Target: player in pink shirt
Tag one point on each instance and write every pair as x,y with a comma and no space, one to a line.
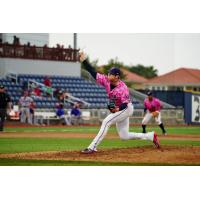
152,108
119,105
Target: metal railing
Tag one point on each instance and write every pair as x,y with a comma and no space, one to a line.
38,53
50,91
12,76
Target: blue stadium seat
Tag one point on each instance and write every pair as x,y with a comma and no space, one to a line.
77,86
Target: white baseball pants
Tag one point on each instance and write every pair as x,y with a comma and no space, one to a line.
121,119
25,114
148,116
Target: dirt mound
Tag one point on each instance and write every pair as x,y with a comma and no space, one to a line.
143,155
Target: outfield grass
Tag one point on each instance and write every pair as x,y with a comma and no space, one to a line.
194,130
17,145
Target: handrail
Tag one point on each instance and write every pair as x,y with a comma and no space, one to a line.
68,98
43,87
13,76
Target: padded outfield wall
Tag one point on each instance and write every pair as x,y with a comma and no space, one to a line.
40,67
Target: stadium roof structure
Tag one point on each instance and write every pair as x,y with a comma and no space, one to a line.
133,77
181,76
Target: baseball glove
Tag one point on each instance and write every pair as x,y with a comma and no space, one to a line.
111,105
155,114
153,109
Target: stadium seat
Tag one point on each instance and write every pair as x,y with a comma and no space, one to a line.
77,86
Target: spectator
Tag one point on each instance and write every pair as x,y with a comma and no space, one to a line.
36,93
62,96
28,44
76,114
61,114
47,86
56,93
24,85
16,40
25,103
47,81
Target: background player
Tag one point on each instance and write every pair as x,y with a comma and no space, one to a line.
25,103
152,108
120,107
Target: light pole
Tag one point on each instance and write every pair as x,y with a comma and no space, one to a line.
75,40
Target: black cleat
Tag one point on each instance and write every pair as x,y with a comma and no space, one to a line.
88,151
164,133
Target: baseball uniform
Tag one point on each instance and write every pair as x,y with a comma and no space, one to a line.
120,95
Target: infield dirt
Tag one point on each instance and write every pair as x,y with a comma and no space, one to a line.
169,155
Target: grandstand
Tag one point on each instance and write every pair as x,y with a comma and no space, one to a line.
78,87
93,94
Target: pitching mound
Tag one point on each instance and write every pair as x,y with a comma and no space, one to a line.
168,155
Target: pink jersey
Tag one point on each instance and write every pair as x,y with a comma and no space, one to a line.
120,94
153,105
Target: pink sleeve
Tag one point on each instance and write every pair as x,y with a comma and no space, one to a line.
125,97
146,105
101,79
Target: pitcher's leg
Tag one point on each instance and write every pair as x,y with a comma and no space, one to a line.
102,132
123,131
107,122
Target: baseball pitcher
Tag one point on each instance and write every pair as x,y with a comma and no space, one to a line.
120,108
152,108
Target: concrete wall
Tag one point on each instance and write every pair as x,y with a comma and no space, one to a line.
42,67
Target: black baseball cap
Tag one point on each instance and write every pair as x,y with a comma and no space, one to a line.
1,87
149,93
115,71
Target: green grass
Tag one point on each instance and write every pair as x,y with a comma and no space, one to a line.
28,144
17,145
84,129
18,162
